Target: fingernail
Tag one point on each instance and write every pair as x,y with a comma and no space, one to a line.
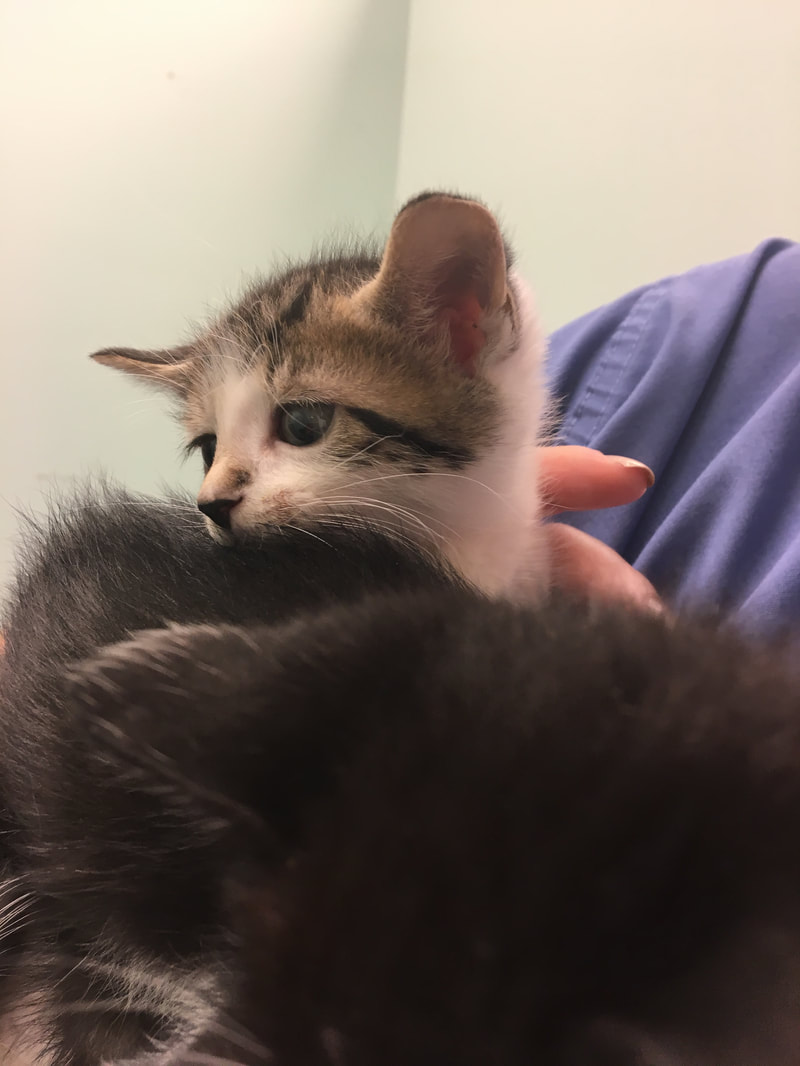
634,464
654,606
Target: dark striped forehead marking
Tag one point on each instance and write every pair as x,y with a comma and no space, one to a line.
426,446
259,319
296,310
290,314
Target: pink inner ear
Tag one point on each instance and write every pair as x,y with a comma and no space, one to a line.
466,337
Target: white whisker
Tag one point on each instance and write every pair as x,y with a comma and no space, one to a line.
342,520
201,1058
393,508
432,473
300,529
240,1038
367,447
389,508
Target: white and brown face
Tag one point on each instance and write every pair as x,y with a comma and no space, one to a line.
354,388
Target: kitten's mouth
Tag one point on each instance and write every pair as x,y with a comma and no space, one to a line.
225,537
228,526
244,537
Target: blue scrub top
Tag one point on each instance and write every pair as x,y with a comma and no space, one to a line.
699,377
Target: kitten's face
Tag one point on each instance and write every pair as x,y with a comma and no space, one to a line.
326,421
403,390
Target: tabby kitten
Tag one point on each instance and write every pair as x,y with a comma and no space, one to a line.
405,389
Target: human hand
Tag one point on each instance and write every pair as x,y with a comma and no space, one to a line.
582,479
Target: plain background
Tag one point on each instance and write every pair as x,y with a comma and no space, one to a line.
155,155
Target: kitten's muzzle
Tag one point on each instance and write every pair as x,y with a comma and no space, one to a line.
219,511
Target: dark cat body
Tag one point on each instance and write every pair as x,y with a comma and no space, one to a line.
420,828
104,565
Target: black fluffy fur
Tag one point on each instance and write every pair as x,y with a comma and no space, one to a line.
402,828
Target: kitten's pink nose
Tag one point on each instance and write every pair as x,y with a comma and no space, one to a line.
219,511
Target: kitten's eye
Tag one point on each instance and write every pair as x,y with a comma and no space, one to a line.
301,424
207,443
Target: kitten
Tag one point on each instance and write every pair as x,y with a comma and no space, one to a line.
104,565
406,389
423,827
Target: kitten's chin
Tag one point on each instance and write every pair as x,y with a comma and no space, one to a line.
247,536
224,537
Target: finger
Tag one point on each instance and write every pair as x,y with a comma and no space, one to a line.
582,479
585,565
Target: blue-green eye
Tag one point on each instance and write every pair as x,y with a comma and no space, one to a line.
207,443
301,424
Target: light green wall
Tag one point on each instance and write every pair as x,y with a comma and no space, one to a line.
621,140
153,154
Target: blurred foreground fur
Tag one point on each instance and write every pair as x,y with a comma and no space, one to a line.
345,811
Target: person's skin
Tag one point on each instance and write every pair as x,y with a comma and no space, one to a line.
581,479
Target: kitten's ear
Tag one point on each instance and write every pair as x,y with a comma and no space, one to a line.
210,716
444,275
167,368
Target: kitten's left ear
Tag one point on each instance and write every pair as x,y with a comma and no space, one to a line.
444,275
167,368
215,719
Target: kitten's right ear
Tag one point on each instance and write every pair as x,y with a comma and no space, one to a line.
167,368
443,276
